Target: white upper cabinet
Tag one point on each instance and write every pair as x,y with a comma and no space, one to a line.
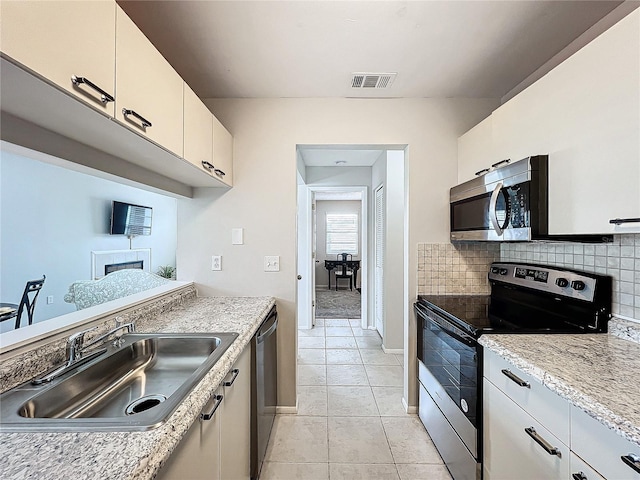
222,152
64,40
198,131
475,151
148,90
585,114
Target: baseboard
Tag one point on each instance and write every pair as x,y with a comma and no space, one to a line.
395,351
287,410
410,410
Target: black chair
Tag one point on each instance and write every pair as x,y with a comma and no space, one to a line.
344,272
29,297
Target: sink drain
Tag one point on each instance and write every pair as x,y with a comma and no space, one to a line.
144,403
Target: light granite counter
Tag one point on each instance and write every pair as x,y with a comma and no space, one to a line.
138,455
596,373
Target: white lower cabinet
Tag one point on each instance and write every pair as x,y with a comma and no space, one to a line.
581,470
217,446
516,445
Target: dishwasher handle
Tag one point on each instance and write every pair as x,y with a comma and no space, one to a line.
261,337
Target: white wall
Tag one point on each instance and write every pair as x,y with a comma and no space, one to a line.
334,206
51,220
263,199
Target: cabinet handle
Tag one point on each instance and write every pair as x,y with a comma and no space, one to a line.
512,376
219,172
632,461
482,172
104,96
145,123
235,372
507,160
209,415
579,476
620,221
551,450
207,165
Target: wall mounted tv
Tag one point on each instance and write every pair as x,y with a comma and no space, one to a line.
129,219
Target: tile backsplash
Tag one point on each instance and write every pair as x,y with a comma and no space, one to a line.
620,259
461,268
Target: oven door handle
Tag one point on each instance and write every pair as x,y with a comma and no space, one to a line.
493,209
446,327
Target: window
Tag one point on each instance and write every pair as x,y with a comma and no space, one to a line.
342,233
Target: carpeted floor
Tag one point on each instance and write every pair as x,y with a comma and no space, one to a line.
340,304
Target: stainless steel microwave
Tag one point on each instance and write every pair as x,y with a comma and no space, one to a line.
506,204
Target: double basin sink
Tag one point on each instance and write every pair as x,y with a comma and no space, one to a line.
132,387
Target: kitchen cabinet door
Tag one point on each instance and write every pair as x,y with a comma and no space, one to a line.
197,456
509,451
198,131
585,114
149,93
222,152
235,416
59,40
475,151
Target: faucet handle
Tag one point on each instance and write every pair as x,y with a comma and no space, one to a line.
120,323
75,343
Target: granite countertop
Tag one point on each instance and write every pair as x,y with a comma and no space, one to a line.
138,455
596,373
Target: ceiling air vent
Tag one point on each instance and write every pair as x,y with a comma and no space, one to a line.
372,80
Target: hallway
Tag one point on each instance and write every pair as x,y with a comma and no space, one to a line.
350,423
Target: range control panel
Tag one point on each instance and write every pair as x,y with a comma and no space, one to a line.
549,279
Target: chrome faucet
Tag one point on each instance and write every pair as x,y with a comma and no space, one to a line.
76,351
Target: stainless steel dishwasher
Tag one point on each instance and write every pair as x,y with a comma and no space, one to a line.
264,388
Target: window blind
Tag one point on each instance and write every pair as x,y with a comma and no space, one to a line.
342,233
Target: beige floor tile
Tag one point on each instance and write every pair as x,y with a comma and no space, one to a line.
294,471
297,439
384,376
311,356
336,322
423,472
311,332
375,356
312,375
346,375
355,471
341,342
389,401
319,322
359,332
312,400
400,359
409,440
338,331
357,440
343,356
355,322
311,342
350,401
369,342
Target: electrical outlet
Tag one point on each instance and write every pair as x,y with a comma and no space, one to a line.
49,299
272,263
216,262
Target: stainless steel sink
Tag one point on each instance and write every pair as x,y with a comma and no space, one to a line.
136,386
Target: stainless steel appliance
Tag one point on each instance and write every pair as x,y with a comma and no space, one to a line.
264,389
524,299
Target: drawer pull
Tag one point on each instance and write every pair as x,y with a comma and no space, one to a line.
235,372
632,461
551,450
207,165
512,376
482,172
209,415
104,96
620,221
501,162
579,476
219,172
145,123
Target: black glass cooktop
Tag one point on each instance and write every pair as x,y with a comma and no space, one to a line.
470,310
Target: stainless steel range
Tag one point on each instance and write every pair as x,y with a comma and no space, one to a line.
524,298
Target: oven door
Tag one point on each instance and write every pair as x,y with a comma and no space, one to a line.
449,370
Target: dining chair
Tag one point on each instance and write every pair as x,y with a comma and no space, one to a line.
28,301
344,272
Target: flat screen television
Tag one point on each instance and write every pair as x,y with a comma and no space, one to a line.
129,219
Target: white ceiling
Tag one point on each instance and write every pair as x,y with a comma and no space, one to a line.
328,157
330,195
311,48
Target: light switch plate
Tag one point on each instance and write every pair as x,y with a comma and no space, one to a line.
237,236
272,263
216,262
